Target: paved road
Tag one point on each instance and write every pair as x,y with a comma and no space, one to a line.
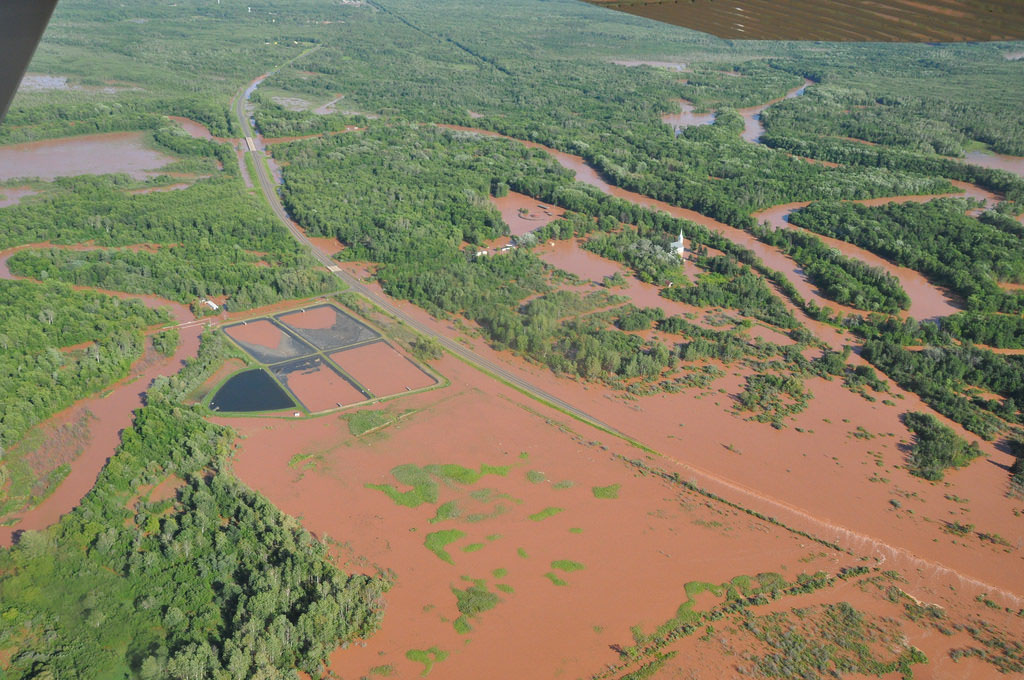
269,188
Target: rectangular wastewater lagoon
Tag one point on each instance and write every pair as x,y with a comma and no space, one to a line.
319,358
326,327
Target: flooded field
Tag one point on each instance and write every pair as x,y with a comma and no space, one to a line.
527,503
381,369
533,527
524,214
317,384
267,342
86,155
778,472
686,117
251,391
107,414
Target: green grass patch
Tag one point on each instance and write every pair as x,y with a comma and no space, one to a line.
500,572
610,491
385,671
504,587
567,565
522,553
437,541
535,476
549,511
449,510
424,481
472,547
555,578
575,530
427,657
564,484
361,422
493,537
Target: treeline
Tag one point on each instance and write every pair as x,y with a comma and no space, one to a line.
216,240
213,582
942,375
854,154
843,279
936,447
64,116
181,273
181,142
928,126
37,321
747,83
935,238
274,120
733,285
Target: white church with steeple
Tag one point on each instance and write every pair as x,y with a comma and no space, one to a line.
679,247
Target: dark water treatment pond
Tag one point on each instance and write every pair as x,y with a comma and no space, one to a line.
251,391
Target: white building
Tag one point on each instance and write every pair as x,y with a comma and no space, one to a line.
679,247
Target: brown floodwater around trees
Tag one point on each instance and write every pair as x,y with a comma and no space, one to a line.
930,298
524,214
13,195
996,161
514,528
85,155
111,412
780,472
752,127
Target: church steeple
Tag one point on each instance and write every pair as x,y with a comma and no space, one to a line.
679,247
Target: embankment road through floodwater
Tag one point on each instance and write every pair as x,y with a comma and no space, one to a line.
269,189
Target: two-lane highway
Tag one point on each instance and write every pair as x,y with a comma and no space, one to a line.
269,188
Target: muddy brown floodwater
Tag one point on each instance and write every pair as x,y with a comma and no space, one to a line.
780,472
319,387
629,556
571,257
524,214
538,628
686,117
752,128
85,155
113,411
927,300
380,368
13,195
932,298
995,161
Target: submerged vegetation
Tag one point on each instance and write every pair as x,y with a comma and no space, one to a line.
213,580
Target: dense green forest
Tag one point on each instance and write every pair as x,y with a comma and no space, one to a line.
212,582
214,240
37,321
936,238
